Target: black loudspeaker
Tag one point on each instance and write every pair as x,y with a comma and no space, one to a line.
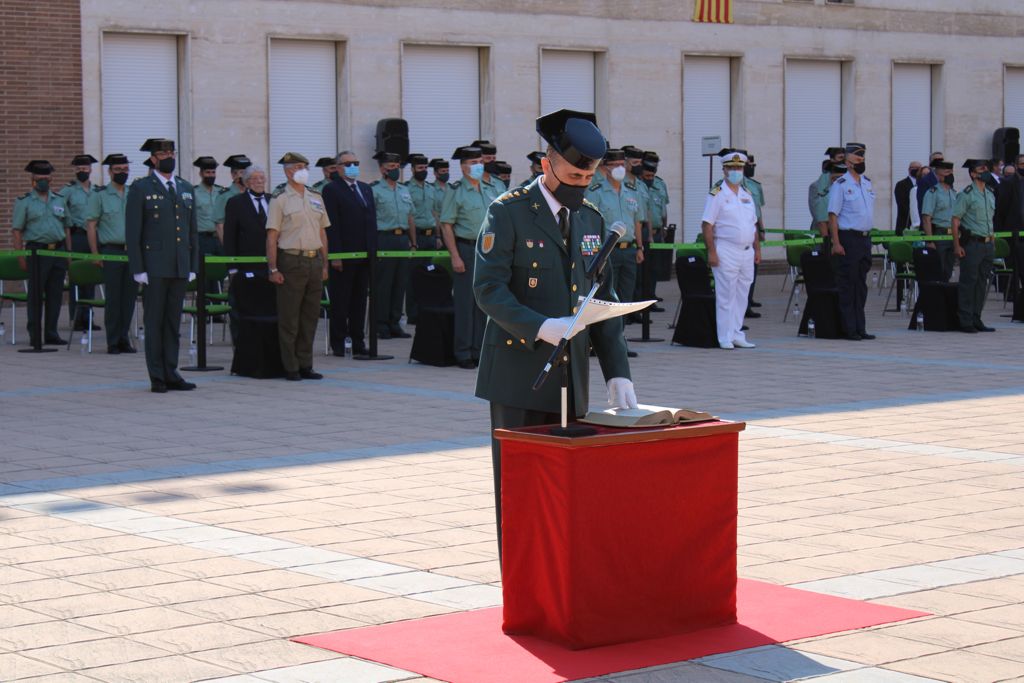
393,136
1006,144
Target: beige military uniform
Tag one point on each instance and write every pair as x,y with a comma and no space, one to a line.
298,219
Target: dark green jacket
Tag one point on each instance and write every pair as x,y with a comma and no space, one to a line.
160,234
525,274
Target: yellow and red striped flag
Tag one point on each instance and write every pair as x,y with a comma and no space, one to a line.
713,11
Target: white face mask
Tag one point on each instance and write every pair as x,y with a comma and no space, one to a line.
619,172
301,176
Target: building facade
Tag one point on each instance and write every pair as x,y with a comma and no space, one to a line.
786,80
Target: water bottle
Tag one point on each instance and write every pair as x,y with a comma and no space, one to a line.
3,333
810,328
874,278
920,322
903,309
83,345
348,346
796,312
141,336
192,352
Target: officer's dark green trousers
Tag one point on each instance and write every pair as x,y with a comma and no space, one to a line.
975,271
390,282
119,291
162,300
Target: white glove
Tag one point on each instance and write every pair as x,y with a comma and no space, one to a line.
191,277
621,393
553,329
141,278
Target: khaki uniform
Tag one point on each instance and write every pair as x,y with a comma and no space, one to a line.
975,209
938,203
300,220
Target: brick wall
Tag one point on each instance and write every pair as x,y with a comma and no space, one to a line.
41,106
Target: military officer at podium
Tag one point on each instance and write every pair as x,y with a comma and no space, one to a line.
531,257
161,238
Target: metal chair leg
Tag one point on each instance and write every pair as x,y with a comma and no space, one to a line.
888,296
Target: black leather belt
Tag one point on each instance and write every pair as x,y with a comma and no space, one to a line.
858,233
981,240
41,245
425,231
463,240
113,246
626,245
396,231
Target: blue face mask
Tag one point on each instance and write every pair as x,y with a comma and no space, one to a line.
351,171
476,171
734,177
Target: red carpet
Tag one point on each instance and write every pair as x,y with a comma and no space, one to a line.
469,647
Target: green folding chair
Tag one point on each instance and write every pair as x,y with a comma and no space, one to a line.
82,274
11,271
901,254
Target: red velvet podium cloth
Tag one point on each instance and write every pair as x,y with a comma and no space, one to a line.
622,536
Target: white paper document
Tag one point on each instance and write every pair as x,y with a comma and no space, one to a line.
599,309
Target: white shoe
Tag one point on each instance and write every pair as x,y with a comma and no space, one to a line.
744,344
727,345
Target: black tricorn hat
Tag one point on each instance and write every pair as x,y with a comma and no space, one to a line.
84,160
575,136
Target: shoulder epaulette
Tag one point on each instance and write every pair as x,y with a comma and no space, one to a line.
513,195
594,187
969,188
454,184
70,183
590,205
866,178
841,179
25,196
99,188
375,183
630,186
715,190
224,189
219,188
278,191
933,188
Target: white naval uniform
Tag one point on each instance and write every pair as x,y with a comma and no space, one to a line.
734,223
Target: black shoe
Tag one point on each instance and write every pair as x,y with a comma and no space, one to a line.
383,334
968,330
55,341
865,335
96,328
755,304
466,364
631,354
181,385
656,309
982,327
744,328
852,337
293,376
157,387
751,314
79,326
360,351
114,350
126,347
659,299
307,373
399,333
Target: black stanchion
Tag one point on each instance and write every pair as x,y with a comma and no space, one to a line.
645,315
201,365
35,301
371,257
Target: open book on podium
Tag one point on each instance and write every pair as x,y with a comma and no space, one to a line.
646,416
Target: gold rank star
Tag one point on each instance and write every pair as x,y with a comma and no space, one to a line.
535,206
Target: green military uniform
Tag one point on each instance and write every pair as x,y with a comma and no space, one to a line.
107,208
938,203
526,273
319,186
221,201
529,180
394,213
424,200
161,240
464,207
817,199
42,222
628,206
208,208
76,197
975,208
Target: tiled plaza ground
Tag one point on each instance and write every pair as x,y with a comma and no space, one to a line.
186,537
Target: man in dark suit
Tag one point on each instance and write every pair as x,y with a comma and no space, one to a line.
353,218
163,254
245,230
903,192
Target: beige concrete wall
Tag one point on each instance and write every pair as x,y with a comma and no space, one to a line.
227,52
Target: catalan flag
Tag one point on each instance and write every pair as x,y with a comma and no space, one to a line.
713,11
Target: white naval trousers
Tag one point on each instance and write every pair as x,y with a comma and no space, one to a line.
733,277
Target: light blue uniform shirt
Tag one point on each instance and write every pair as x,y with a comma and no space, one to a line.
852,203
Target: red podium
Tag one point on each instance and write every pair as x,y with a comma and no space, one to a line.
626,535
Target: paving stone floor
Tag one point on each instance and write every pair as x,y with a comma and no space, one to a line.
186,537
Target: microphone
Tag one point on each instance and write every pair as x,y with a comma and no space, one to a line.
615,233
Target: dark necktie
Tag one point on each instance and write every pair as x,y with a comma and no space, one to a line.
170,191
563,223
355,188
260,212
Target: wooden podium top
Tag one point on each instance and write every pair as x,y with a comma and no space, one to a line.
619,435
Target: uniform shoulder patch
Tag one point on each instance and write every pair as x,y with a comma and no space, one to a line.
25,196
715,190
590,205
594,187
455,184
630,185
841,179
99,188
933,188
867,179
223,190
969,188
375,183
486,242
278,191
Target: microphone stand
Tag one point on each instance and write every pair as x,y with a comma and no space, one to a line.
560,358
